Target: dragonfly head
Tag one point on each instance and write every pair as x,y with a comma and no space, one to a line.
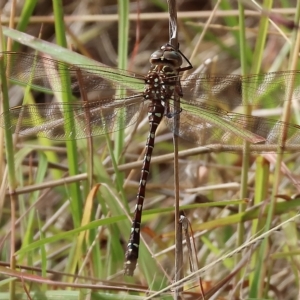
167,55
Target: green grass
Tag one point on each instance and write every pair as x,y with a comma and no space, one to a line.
70,236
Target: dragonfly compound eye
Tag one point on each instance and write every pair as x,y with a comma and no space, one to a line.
166,57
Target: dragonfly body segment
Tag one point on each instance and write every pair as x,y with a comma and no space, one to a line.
161,82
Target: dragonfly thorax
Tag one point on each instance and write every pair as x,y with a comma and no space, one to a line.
158,86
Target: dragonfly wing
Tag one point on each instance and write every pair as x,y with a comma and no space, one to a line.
43,73
90,119
207,124
230,91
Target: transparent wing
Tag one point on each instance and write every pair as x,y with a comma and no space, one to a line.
42,73
231,91
207,125
207,101
90,119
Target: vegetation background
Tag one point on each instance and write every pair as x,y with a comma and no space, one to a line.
69,232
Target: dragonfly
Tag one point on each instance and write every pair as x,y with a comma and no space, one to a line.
201,108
